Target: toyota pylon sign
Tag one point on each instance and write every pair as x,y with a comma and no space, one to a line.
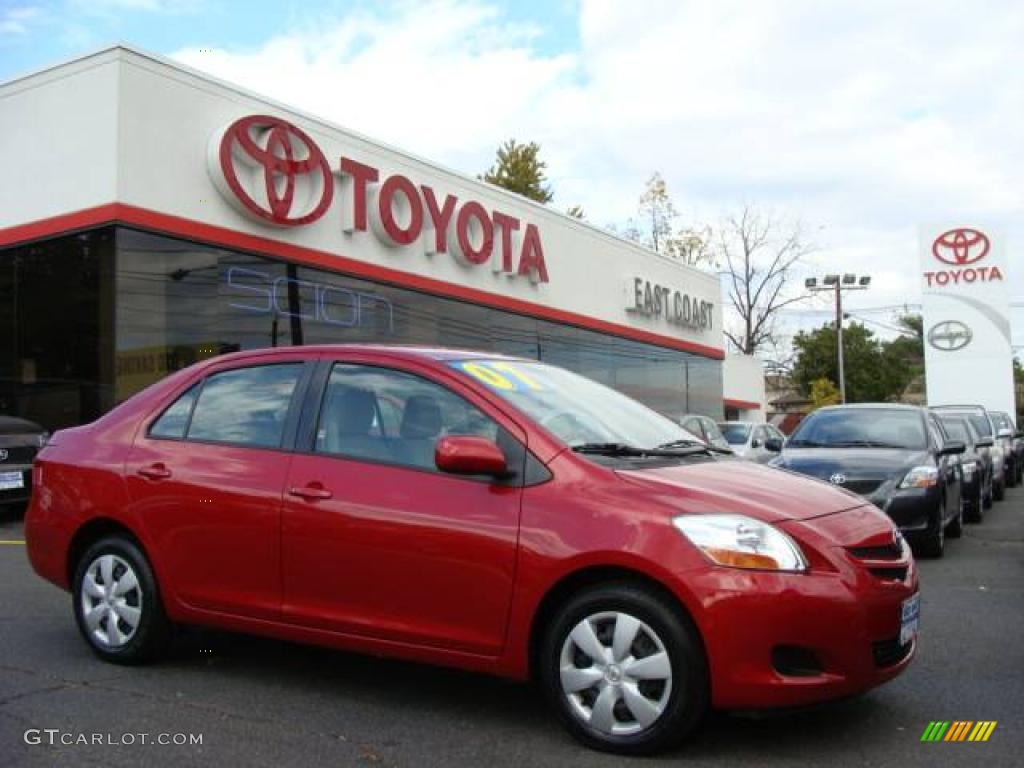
967,350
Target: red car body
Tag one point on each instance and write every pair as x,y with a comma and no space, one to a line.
430,567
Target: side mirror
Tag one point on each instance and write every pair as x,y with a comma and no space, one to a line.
952,448
755,443
773,444
469,455
984,442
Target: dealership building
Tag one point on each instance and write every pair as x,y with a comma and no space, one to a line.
154,216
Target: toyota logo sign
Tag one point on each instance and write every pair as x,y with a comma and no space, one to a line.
272,170
4,454
961,246
837,479
950,335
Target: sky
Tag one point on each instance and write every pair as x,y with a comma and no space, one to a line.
859,119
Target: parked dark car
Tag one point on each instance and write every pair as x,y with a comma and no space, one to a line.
896,456
983,423
1007,435
20,439
975,463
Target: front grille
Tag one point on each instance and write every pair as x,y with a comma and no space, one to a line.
863,487
893,551
888,653
18,454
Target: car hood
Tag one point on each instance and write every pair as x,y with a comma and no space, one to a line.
862,463
12,425
742,487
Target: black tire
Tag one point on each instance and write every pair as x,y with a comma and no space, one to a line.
149,637
687,697
987,501
955,528
999,490
975,513
933,544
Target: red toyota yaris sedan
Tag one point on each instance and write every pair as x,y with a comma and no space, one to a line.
474,510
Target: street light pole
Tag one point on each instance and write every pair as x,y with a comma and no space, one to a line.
838,284
839,342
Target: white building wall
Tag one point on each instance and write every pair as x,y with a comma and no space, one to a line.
58,140
743,382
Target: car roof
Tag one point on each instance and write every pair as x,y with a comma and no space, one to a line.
871,406
424,352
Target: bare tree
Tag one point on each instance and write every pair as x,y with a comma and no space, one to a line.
655,227
759,253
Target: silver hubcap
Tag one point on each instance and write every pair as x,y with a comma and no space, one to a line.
615,673
111,601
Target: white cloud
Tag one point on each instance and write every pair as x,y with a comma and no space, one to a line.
15,21
860,117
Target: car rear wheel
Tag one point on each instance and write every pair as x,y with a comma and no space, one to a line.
999,490
116,603
624,670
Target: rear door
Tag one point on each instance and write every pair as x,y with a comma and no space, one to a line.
206,478
376,541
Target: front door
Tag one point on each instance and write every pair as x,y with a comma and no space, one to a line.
376,541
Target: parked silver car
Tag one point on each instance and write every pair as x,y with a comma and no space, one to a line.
757,441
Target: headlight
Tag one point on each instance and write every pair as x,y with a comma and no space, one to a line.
738,541
969,467
41,438
921,477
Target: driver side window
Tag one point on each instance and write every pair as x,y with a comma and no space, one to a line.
384,415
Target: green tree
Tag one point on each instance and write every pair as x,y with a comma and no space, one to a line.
906,351
519,169
872,374
824,392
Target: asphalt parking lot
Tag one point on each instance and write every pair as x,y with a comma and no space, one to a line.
264,703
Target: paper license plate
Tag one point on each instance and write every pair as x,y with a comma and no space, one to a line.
11,480
909,618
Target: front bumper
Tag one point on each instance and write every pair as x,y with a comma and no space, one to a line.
846,619
912,509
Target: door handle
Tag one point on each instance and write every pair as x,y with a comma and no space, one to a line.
310,492
155,472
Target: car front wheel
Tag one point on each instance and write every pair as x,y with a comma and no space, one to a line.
624,670
116,602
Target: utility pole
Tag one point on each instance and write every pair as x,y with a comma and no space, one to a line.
837,284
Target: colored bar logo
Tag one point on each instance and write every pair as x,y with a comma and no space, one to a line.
958,730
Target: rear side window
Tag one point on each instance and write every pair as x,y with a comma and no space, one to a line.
246,406
173,421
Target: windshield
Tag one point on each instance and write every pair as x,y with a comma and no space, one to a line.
735,434
576,409
867,427
956,429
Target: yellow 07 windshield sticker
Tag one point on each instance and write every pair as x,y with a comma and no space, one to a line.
501,375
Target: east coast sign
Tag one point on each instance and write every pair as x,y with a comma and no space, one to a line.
272,171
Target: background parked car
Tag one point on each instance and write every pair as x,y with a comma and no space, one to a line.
1006,435
975,463
896,456
753,440
20,439
706,429
983,423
